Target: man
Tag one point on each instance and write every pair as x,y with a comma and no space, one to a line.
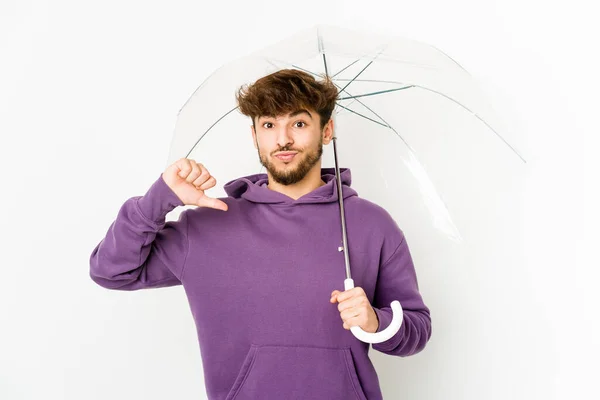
258,265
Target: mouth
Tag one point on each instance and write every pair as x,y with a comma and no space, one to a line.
286,156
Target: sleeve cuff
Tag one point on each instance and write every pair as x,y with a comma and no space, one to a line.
385,318
158,201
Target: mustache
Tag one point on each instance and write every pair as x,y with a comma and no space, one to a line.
286,149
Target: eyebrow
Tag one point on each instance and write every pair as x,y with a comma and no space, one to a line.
300,111
292,114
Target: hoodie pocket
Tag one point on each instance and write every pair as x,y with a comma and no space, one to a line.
297,372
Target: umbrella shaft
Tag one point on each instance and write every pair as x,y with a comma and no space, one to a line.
341,203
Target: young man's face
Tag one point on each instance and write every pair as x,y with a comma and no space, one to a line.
297,134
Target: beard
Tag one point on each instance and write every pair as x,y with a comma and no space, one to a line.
290,175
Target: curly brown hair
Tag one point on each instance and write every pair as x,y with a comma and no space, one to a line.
285,91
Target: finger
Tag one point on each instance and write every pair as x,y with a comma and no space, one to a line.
205,185
206,201
352,314
202,177
348,294
354,302
184,166
351,322
334,295
196,172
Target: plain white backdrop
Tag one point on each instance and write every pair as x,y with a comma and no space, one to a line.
89,94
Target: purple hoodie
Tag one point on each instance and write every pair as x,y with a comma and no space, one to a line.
259,277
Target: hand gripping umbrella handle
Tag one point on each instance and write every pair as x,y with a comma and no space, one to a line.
377,337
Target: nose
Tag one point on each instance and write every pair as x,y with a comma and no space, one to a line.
284,137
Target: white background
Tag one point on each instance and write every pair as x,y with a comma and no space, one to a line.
89,93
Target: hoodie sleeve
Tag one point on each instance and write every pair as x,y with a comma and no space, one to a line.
397,280
141,250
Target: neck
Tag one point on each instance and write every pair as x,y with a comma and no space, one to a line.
310,182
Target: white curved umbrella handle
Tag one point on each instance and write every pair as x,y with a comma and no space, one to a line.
377,337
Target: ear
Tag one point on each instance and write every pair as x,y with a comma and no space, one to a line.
328,132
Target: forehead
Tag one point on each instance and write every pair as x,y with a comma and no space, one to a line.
301,111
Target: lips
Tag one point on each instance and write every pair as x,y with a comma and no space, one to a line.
286,155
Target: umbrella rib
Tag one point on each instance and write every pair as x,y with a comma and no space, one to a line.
375,93
302,69
345,68
310,72
449,98
370,80
333,76
364,116
362,70
364,105
272,63
340,79
384,121
205,132
476,116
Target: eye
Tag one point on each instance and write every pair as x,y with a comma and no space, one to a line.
266,124
301,122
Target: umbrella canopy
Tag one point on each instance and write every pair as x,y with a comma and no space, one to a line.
411,121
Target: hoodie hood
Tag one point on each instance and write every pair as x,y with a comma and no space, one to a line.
254,188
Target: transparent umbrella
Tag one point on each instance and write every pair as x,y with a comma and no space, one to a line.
410,121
